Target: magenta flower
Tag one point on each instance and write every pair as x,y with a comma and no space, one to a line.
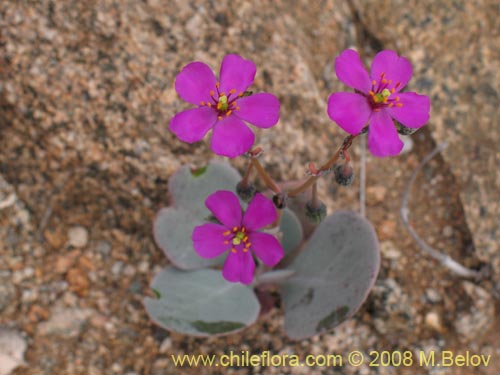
377,100
238,234
222,106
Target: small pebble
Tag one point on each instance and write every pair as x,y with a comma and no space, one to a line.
129,270
433,320
389,251
447,231
166,345
433,295
20,275
143,267
117,268
387,229
78,281
376,194
65,322
116,367
78,236
104,247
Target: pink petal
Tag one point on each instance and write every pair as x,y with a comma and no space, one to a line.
350,71
194,82
236,73
226,207
260,213
239,267
383,137
396,68
191,125
349,110
262,110
208,240
415,110
266,247
231,137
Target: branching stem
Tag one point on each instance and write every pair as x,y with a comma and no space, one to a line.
328,165
268,180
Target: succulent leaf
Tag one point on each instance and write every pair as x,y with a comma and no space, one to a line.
200,303
189,188
334,273
172,232
291,229
174,225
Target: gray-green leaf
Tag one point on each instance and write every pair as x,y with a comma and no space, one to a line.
200,303
334,273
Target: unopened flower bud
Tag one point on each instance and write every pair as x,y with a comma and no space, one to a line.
279,201
315,213
344,174
404,130
245,191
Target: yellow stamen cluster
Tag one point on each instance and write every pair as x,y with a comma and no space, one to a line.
239,236
224,104
382,97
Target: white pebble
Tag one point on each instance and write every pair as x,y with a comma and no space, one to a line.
78,236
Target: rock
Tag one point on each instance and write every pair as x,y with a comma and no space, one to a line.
66,322
393,313
78,236
12,348
477,319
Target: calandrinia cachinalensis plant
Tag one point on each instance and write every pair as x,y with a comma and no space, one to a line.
228,243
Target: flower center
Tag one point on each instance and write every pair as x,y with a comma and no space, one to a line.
238,237
223,103
380,94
